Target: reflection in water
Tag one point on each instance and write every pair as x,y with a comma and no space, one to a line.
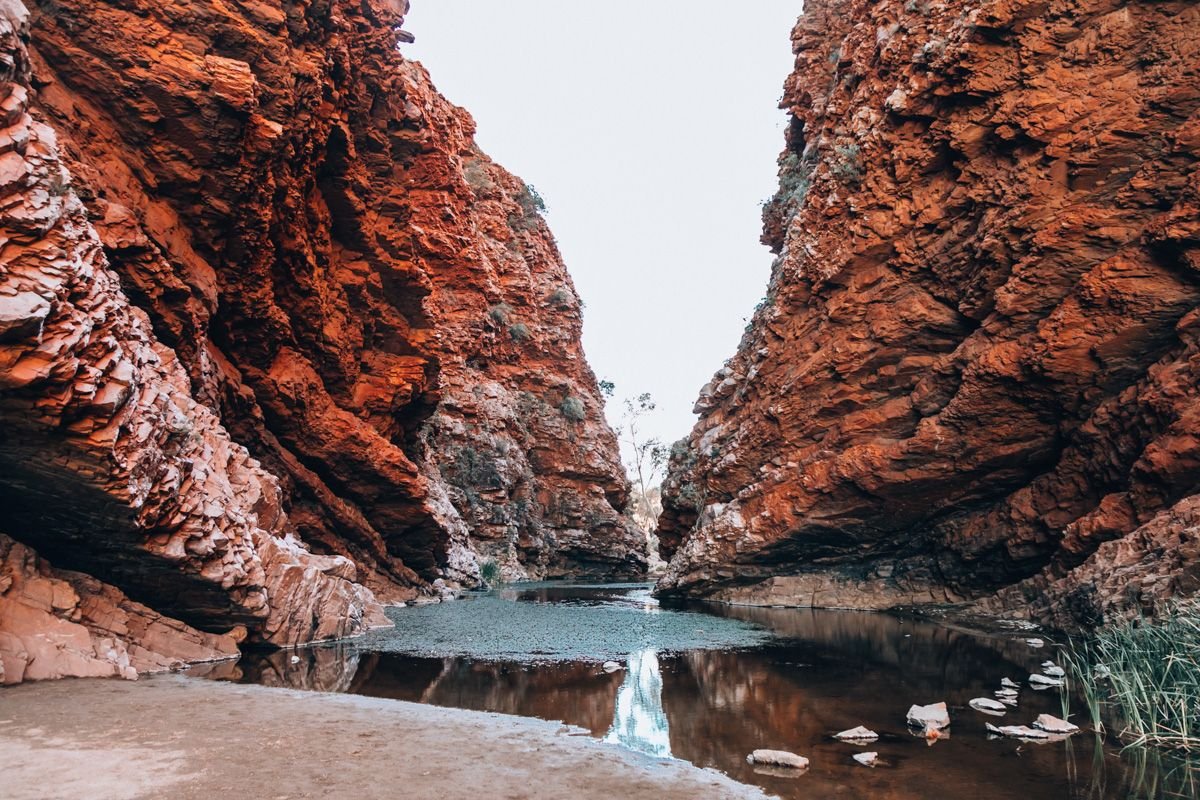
639,722
824,672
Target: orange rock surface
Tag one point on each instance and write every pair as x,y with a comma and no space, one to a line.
277,342
977,362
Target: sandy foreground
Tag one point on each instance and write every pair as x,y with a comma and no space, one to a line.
175,737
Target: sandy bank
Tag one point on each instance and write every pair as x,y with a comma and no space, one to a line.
177,737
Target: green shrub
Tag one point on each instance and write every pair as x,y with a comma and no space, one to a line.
499,313
847,167
519,331
573,409
559,297
489,571
530,201
532,207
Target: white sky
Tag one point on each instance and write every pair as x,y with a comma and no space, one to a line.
651,129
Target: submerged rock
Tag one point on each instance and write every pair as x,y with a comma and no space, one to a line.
868,759
1009,683
1018,732
778,758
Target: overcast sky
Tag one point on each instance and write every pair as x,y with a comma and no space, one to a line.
651,129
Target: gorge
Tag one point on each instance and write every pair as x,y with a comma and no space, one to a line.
294,405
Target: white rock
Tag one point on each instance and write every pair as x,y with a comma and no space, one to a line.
988,706
932,717
1035,642
1017,732
611,666
1005,693
1052,724
859,734
1009,683
778,758
295,659
867,759
1045,681
1053,670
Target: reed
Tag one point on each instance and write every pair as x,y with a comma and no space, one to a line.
1141,680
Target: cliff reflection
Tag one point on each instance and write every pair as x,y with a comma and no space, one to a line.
639,722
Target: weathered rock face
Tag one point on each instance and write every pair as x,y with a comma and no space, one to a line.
236,242
978,359
519,438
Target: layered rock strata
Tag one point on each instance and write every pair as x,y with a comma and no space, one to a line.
977,362
237,244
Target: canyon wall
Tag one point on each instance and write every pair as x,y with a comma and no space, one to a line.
974,374
277,342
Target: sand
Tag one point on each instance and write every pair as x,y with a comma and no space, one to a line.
175,737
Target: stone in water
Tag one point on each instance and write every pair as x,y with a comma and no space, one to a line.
988,706
867,759
1045,681
859,734
778,758
932,717
1052,724
1017,732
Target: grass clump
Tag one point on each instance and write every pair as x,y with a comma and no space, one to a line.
520,332
1143,678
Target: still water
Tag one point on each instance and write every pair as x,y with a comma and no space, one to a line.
708,684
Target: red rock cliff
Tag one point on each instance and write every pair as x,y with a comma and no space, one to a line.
251,290
976,366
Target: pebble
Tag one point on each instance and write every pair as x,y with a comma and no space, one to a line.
868,759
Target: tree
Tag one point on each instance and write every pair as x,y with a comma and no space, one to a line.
646,457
